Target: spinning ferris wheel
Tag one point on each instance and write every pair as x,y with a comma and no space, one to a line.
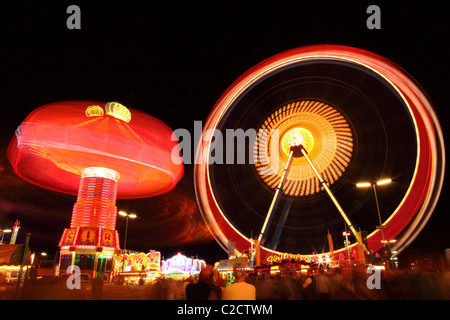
325,117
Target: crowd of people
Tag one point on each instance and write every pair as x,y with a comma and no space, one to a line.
335,284
349,284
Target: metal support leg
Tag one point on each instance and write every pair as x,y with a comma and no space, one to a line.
273,206
281,223
324,185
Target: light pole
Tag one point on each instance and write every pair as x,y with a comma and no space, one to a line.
126,215
374,186
346,234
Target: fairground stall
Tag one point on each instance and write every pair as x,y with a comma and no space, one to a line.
10,259
93,250
225,268
282,268
139,267
180,267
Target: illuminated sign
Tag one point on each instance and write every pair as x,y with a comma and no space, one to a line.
182,264
90,238
69,236
107,239
227,265
288,256
140,261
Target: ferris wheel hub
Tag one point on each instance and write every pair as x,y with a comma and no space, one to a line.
295,137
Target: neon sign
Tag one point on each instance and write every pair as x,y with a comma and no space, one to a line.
276,258
135,261
90,238
182,264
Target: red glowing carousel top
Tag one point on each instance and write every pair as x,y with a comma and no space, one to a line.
58,140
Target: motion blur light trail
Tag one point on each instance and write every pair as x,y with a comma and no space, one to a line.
326,136
169,220
59,140
389,129
77,147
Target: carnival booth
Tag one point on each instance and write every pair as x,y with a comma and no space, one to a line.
93,250
10,259
225,268
180,267
139,267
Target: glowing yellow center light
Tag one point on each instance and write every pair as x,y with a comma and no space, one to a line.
324,133
295,137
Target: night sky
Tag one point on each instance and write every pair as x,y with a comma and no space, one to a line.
173,61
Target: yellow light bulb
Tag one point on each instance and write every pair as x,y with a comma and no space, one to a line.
297,136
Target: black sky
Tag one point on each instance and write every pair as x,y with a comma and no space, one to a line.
174,60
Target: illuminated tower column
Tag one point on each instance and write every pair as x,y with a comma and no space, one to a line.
92,233
96,202
15,232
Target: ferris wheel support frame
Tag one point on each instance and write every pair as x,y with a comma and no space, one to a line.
276,198
336,203
295,152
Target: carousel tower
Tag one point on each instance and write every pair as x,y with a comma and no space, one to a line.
95,206
99,153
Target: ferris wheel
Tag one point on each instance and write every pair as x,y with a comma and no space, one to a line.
317,121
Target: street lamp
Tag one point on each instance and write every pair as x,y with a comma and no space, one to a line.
374,186
126,215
